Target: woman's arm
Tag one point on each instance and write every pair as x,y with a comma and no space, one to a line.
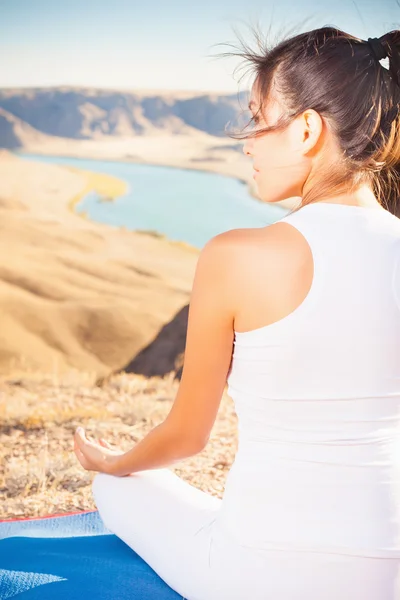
208,353
157,449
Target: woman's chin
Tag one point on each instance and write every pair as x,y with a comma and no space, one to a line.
270,197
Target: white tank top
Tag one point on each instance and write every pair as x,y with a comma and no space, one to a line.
317,395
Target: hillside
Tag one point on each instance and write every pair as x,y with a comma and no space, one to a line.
94,114
77,295
15,132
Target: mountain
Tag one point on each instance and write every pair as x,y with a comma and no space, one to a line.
91,114
16,133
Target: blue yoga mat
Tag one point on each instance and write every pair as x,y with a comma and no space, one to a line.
73,557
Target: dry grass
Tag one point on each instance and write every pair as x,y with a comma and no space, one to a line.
39,473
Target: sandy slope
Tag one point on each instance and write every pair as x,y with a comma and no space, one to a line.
76,294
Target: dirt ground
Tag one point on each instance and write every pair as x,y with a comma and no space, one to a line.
39,473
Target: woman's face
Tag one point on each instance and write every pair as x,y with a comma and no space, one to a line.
280,167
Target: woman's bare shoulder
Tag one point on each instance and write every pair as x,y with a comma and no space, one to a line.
267,271
264,272
280,238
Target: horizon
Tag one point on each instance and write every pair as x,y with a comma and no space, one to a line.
45,45
87,88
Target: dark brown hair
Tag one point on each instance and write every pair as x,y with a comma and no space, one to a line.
337,75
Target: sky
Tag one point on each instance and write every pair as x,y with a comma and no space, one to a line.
158,44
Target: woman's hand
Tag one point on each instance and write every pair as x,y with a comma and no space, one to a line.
94,456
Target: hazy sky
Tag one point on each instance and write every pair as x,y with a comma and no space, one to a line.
158,44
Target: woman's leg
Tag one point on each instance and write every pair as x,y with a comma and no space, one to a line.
169,523
166,521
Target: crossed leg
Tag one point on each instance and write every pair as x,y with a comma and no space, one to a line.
166,521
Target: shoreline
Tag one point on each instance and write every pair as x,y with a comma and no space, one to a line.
102,184
286,204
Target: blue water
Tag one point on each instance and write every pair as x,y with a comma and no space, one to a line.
186,205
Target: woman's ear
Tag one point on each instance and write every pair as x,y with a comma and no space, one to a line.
311,126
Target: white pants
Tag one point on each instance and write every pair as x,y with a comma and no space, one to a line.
166,521
173,526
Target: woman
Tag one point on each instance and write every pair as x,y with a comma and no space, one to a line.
302,318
